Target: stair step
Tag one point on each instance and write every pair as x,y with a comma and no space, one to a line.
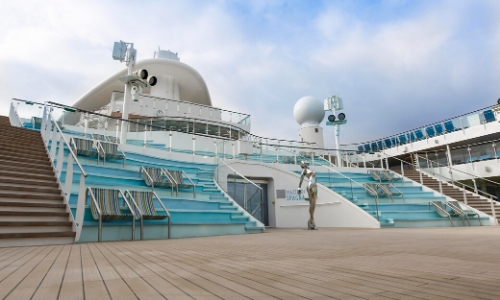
28,189
18,181
34,213
34,228
32,204
42,166
45,175
24,159
38,156
12,195
17,235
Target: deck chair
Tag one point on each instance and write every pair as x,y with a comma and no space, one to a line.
144,208
439,129
111,151
372,189
448,126
489,116
463,210
386,175
375,175
98,137
105,206
85,147
156,177
178,177
440,209
387,191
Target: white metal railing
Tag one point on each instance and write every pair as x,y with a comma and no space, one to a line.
56,143
351,181
15,120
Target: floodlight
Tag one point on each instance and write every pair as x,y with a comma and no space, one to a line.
141,74
498,101
341,117
152,81
331,118
119,50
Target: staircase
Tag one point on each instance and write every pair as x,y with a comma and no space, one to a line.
453,192
32,210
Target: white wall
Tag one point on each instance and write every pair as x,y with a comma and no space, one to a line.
332,210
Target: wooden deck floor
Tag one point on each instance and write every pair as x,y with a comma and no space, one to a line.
447,263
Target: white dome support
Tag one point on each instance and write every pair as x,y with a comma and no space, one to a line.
309,113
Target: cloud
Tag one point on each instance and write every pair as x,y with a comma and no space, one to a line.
397,64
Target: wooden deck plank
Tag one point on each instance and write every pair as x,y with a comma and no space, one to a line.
429,263
27,288
115,285
137,284
28,264
93,283
51,284
72,285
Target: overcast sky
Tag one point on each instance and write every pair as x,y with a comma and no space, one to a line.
397,64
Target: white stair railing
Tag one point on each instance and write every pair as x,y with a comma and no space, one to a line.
54,138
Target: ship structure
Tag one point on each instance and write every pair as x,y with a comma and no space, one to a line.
145,155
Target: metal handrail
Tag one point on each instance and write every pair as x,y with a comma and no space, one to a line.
192,183
442,212
239,174
352,180
460,171
68,145
424,126
98,142
192,103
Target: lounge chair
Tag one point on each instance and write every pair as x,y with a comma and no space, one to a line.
156,177
105,206
144,207
85,147
178,177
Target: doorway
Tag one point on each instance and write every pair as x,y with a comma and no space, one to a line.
250,197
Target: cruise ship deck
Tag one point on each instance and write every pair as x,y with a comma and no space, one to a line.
398,263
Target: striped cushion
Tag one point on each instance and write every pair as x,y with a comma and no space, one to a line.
84,147
158,178
111,150
109,204
177,175
145,201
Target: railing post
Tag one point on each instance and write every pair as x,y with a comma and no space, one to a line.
260,144
69,178
194,144
493,212
464,195
170,141
402,169
364,160
80,209
53,145
440,186
419,170
60,157
145,135
475,185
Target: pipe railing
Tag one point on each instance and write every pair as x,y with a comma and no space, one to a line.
54,138
352,192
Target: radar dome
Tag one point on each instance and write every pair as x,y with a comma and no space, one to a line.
308,111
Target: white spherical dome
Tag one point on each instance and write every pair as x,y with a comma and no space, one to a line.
308,111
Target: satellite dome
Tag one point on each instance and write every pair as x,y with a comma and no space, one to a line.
308,111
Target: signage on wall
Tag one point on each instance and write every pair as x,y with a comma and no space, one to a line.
293,195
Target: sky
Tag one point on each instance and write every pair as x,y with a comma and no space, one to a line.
397,64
